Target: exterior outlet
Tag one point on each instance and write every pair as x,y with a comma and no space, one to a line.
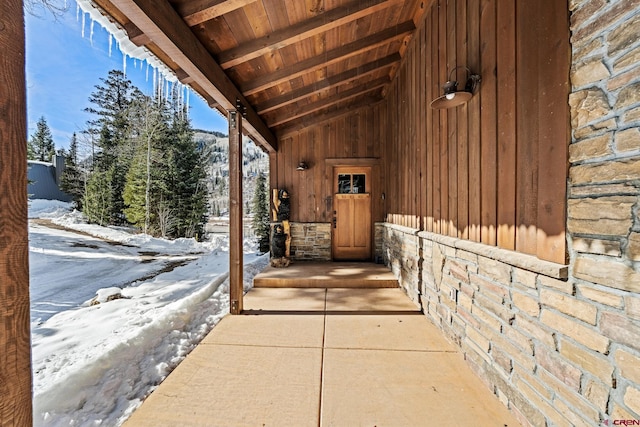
453,295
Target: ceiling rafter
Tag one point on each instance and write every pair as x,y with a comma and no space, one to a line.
313,120
196,12
336,55
301,31
328,83
354,92
167,30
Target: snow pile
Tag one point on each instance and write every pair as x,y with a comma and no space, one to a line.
94,364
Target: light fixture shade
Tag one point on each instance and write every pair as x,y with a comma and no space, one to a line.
447,101
452,96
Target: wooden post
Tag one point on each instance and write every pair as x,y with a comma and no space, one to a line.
15,340
235,212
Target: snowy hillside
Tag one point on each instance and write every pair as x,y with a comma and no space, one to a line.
94,364
255,162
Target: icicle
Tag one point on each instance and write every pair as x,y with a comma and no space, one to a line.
110,43
188,94
83,21
77,12
124,64
91,32
146,77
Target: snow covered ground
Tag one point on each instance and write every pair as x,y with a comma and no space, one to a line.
94,364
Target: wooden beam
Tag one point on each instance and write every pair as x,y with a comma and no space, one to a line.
354,92
320,118
336,55
168,32
136,35
301,31
15,336
196,12
328,83
235,212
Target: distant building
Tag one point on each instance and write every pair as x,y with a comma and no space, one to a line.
44,179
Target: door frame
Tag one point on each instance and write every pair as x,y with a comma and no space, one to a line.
373,162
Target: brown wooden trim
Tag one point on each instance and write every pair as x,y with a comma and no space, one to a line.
301,31
507,107
330,82
170,33
235,213
344,161
15,342
288,116
196,12
325,117
336,55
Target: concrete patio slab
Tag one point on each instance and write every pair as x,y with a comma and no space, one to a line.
369,300
408,332
405,388
323,357
285,299
275,330
221,385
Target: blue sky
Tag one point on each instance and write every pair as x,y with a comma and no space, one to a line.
62,69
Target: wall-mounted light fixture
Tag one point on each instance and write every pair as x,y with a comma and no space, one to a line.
452,96
302,166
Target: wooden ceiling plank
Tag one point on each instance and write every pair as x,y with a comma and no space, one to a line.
170,33
301,31
198,11
339,54
321,118
321,104
328,83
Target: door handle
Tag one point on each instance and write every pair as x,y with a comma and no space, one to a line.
335,222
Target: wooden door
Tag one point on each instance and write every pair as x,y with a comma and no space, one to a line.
352,214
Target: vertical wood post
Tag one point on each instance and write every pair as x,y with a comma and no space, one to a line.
235,212
15,340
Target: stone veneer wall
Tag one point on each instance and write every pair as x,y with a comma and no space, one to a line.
559,345
310,241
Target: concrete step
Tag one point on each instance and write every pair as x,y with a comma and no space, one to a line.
327,275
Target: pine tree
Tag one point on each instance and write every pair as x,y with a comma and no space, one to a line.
114,149
72,181
148,121
261,220
187,176
97,198
41,146
134,193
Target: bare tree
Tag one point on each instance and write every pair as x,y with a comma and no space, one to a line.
39,7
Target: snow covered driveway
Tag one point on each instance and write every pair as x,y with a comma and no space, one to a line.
93,364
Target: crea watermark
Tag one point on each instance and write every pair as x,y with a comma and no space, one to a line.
621,422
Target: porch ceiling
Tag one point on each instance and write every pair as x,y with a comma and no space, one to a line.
286,62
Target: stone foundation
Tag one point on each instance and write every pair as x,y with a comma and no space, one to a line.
311,241
554,349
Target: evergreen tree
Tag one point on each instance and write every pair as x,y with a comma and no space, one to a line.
72,181
113,148
187,176
135,191
261,220
41,146
144,186
97,198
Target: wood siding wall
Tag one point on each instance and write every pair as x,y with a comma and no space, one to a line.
494,170
349,140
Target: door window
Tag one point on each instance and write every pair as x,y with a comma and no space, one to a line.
352,183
